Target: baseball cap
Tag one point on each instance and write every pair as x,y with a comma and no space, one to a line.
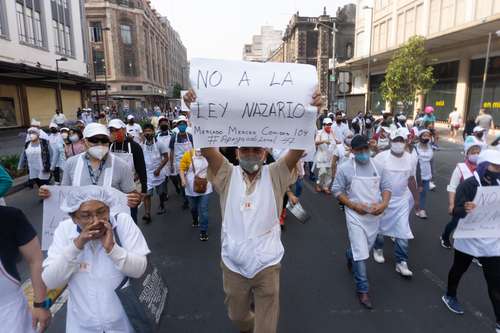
94,129
130,116
327,120
489,155
359,141
116,123
179,119
401,132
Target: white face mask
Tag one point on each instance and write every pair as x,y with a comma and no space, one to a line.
74,138
33,136
98,152
473,158
64,135
398,147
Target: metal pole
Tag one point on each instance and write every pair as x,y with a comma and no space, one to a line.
59,101
334,83
368,91
106,80
485,74
97,89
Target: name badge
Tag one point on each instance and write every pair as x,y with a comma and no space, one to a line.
84,267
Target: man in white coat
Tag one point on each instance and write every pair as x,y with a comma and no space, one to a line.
365,192
400,168
325,150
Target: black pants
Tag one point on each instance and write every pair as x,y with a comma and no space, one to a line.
491,271
450,227
57,174
39,182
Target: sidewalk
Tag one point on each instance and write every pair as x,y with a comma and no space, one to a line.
12,141
444,134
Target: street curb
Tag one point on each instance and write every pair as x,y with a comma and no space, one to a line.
18,185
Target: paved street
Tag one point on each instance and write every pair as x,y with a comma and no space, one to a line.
317,292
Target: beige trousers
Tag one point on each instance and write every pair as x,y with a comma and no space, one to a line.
264,287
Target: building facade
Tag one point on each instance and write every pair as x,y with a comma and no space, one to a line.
37,37
314,40
456,37
262,45
135,52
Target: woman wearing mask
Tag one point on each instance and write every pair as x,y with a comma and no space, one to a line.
37,158
424,168
463,171
76,144
193,173
486,249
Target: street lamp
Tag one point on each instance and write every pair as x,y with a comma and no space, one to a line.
59,96
486,63
106,69
368,90
334,86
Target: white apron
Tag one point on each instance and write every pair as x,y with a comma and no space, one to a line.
128,158
324,154
395,221
152,159
166,140
35,164
425,157
201,166
79,169
179,149
251,234
14,312
363,229
464,169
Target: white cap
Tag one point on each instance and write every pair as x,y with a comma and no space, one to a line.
64,129
386,112
80,121
401,132
179,119
422,131
489,155
130,116
116,123
34,130
35,122
327,120
478,129
94,129
52,125
160,118
81,194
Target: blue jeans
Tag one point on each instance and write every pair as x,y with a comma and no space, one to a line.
359,272
199,210
400,247
299,185
423,194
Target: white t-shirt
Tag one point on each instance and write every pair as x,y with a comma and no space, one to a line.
454,118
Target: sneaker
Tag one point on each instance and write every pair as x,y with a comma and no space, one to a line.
477,262
195,223
378,256
161,211
445,243
203,236
432,186
365,301
402,268
498,328
453,304
422,214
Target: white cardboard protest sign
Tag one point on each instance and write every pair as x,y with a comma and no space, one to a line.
253,104
484,220
53,215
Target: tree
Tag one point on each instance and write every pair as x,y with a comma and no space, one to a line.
176,92
407,73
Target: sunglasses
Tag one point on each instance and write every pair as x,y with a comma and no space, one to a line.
98,140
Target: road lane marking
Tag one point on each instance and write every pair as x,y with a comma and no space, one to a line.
483,319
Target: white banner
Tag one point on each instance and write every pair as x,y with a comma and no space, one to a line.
484,220
253,104
53,215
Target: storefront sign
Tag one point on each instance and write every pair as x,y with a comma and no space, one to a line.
491,105
440,103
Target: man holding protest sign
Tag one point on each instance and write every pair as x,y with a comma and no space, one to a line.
471,196
251,193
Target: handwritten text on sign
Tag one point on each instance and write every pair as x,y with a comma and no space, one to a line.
484,220
53,215
253,104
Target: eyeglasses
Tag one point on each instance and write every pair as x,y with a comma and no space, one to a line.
100,214
328,125
98,140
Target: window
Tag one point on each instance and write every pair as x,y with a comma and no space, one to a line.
95,32
126,34
129,68
3,20
29,26
99,62
348,50
61,24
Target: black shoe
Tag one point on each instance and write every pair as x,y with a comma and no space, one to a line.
203,236
365,301
195,223
445,243
161,211
147,219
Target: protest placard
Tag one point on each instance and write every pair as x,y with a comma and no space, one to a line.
484,220
253,104
184,107
53,215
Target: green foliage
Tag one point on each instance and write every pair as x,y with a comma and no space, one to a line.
407,73
176,93
10,162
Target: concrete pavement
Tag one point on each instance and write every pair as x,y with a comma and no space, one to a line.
317,292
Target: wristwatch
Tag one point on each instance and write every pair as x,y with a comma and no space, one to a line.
46,304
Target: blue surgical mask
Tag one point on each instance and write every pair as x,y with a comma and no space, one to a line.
182,128
157,113
362,158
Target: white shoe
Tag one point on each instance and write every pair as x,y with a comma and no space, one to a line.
477,262
402,268
432,186
378,256
422,214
